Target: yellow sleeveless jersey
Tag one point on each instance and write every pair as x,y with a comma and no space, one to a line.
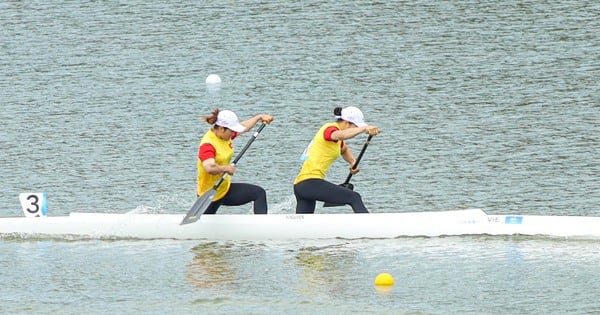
320,154
223,155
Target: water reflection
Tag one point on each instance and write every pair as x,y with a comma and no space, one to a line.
211,267
325,270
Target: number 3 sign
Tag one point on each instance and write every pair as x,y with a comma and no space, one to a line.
34,204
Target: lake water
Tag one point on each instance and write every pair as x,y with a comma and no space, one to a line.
492,105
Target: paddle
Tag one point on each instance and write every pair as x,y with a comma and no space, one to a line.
347,183
204,201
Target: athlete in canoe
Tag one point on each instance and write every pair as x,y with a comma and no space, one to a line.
327,145
214,159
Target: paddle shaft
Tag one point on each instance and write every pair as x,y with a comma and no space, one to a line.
360,155
237,158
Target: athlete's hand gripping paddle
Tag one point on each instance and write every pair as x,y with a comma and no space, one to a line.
204,201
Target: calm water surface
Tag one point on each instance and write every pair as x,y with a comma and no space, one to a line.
481,104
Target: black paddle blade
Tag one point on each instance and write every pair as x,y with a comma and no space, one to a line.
345,185
198,208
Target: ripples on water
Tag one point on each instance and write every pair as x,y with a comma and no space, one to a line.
469,275
482,105
488,104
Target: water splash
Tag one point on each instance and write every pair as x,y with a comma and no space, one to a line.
286,206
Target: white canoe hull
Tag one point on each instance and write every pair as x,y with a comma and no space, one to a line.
292,226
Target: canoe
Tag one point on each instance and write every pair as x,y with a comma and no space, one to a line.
298,226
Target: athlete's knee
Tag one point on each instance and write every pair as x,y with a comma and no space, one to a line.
304,211
360,210
261,193
212,208
260,209
357,204
260,203
304,207
355,197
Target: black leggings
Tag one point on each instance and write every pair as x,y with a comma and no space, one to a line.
309,191
240,194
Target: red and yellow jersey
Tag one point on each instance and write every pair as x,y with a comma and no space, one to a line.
221,150
320,154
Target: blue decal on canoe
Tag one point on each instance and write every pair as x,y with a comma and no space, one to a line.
513,219
44,204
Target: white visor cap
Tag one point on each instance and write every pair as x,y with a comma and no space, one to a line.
353,115
229,119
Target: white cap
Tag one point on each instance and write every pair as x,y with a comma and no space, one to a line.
353,115
229,119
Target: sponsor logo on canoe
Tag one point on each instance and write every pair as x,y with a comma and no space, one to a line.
295,217
508,219
493,219
513,219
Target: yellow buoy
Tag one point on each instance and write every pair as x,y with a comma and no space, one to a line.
384,279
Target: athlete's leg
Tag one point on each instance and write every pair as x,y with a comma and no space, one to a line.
241,193
213,206
309,191
304,205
